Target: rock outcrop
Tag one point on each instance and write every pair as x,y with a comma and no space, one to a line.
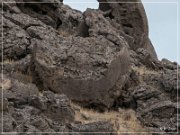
102,60
132,20
76,67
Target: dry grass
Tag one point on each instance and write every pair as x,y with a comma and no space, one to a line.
8,61
27,78
144,71
5,84
16,74
60,72
122,120
63,33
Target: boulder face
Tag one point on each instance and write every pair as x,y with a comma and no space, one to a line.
68,71
85,69
132,20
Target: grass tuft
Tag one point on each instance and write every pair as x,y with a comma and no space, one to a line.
124,120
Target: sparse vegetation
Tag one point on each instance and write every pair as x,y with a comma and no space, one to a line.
143,70
63,33
55,55
27,78
8,61
5,84
124,120
16,72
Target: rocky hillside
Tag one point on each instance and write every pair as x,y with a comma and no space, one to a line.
94,72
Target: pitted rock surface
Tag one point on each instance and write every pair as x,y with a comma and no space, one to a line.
78,68
55,107
155,99
102,60
133,21
96,127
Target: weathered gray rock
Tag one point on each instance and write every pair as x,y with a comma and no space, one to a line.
161,115
166,81
18,92
169,65
3,104
156,107
9,123
84,69
41,13
29,119
143,58
96,127
80,70
169,81
19,70
55,107
55,14
16,41
12,7
87,57
70,21
40,114
133,21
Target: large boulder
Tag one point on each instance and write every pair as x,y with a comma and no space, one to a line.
133,21
85,69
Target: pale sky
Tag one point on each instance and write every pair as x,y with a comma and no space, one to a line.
162,17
